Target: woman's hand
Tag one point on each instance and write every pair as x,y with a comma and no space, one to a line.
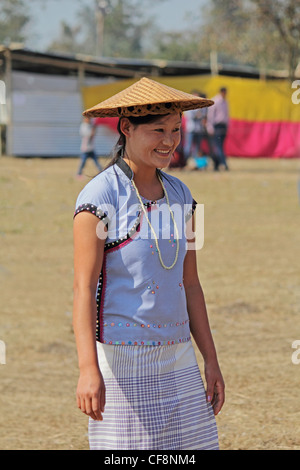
215,387
91,393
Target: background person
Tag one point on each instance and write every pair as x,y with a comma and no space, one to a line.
218,117
197,134
193,130
87,133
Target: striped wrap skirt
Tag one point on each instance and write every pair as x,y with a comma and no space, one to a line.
155,400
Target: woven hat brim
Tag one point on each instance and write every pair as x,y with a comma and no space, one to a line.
147,97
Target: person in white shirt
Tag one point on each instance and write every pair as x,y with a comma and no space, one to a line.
194,129
218,118
87,133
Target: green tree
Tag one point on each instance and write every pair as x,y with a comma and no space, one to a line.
262,33
112,28
178,46
14,21
125,29
284,17
68,41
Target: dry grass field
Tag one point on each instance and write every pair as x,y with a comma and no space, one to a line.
249,269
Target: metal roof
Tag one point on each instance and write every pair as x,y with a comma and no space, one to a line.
24,59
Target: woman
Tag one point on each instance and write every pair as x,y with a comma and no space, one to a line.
137,297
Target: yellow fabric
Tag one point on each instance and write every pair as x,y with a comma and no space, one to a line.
249,99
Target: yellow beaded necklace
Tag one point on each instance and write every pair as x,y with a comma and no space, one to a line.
152,229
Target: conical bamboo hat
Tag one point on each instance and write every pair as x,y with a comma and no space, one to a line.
144,97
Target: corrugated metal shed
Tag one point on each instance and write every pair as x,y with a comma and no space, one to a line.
46,115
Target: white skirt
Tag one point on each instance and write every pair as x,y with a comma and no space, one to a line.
155,400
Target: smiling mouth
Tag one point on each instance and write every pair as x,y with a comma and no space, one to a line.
164,153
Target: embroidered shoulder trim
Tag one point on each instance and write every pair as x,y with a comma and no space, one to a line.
92,209
191,211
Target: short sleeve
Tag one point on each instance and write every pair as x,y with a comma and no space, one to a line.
97,197
88,207
191,209
190,203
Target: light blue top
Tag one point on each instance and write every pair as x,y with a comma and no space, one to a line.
138,301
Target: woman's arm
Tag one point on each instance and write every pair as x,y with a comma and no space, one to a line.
88,259
200,329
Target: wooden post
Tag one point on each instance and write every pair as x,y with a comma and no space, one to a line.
214,67
8,86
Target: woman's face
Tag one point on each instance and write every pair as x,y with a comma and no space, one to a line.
152,144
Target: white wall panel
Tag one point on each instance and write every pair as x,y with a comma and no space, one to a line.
57,140
46,115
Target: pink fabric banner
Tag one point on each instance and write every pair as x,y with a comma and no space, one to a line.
263,139
252,139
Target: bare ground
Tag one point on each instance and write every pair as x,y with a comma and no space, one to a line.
249,269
